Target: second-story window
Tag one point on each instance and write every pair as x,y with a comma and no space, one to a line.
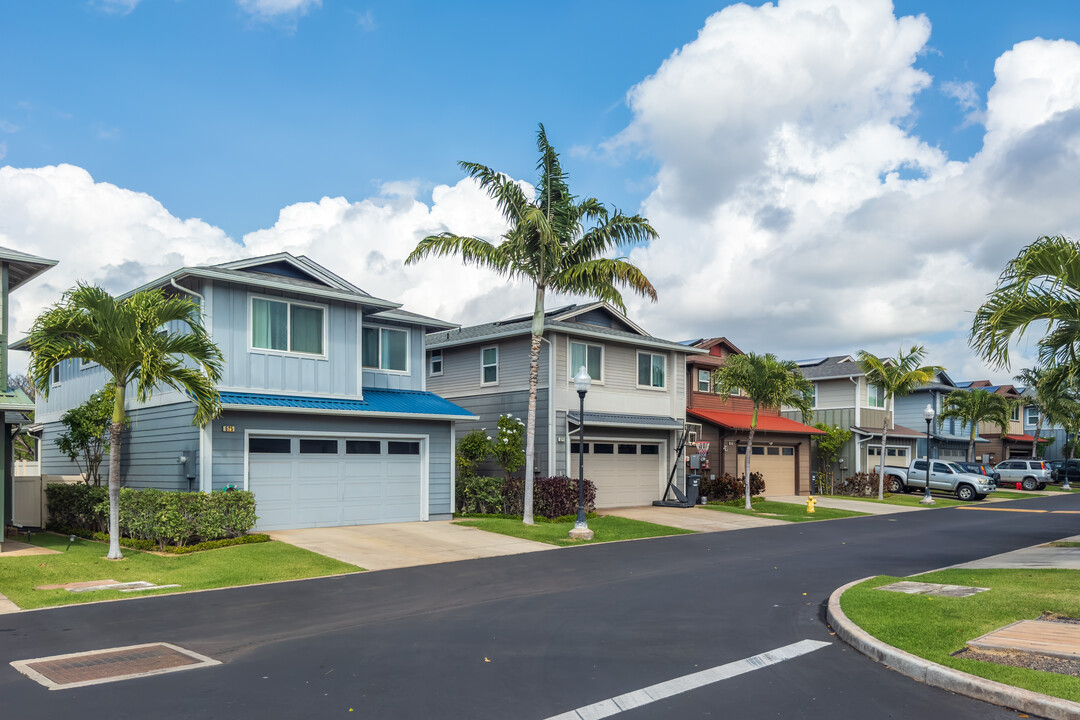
285,326
55,374
591,356
651,370
489,366
435,362
875,398
704,381
1016,413
385,349
1032,415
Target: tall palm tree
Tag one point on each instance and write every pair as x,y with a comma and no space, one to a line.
1034,379
1040,285
977,406
896,377
769,383
145,339
555,242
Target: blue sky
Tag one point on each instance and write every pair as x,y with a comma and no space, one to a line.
231,111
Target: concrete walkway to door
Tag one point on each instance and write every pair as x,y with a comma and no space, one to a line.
398,545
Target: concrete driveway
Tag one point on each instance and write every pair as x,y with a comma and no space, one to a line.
398,545
694,518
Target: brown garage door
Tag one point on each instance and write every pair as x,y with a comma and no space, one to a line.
776,463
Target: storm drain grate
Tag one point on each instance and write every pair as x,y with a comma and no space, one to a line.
60,672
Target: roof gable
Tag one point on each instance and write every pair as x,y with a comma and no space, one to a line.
287,265
599,314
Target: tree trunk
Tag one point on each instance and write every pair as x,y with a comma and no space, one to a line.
1038,429
749,452
881,462
115,430
971,445
530,427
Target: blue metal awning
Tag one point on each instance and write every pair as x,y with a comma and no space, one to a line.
375,402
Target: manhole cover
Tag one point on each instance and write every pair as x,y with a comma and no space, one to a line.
60,672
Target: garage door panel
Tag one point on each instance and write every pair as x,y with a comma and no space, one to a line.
776,468
309,490
622,479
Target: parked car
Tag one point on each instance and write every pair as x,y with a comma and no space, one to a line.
894,478
1031,474
944,475
1057,471
980,469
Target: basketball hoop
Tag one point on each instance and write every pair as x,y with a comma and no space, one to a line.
702,448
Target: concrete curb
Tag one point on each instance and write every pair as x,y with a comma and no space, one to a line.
942,677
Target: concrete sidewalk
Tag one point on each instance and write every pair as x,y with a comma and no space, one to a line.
398,545
1036,557
870,508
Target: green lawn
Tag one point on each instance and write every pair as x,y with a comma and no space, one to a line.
606,528
936,627
224,567
1011,495
791,512
1073,486
911,500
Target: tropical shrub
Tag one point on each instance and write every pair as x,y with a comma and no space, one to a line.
728,487
76,506
552,496
472,449
860,484
479,494
508,447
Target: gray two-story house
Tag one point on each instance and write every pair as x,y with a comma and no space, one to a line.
326,415
634,411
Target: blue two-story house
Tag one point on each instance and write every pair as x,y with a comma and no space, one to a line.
949,438
326,415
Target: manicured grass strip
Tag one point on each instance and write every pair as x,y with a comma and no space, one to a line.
790,512
911,500
1010,495
606,528
224,567
1064,543
935,627
1074,486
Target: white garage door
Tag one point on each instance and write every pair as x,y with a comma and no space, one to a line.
324,482
776,463
624,473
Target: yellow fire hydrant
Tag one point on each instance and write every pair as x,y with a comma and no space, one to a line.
810,503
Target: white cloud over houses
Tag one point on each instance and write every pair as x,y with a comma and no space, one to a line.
799,211
269,9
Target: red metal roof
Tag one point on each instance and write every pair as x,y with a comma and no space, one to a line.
1025,438
741,421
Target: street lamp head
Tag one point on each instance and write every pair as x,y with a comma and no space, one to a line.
928,413
582,381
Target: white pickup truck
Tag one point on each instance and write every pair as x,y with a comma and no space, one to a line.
944,475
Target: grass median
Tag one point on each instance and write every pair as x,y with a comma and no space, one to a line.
85,561
606,528
936,627
791,512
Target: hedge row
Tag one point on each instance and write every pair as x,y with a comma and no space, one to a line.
728,487
160,518
181,550
553,497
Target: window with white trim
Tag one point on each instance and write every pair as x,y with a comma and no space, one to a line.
385,349
591,356
489,365
1016,413
55,374
435,362
652,369
875,396
813,395
286,326
1032,415
704,381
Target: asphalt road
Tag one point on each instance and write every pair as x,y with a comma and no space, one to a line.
535,635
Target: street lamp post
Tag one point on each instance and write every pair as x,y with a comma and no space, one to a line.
928,415
581,531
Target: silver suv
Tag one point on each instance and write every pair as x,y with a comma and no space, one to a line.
1032,474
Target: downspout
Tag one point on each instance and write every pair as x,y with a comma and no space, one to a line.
858,452
551,405
206,480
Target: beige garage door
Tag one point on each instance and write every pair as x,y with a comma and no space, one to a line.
776,463
624,473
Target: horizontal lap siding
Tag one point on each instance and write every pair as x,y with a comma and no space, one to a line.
229,447
461,368
488,408
156,438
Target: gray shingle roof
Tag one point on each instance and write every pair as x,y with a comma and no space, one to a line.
836,366
415,318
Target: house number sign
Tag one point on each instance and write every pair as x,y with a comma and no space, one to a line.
228,428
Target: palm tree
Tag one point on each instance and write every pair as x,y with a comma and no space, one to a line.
769,383
1040,285
896,377
555,242
133,341
1063,408
978,406
1034,379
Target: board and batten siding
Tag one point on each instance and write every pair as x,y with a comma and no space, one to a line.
152,445
835,394
462,368
488,407
229,446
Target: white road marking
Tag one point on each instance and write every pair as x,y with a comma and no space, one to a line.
637,698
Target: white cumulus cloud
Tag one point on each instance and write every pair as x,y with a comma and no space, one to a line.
269,9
